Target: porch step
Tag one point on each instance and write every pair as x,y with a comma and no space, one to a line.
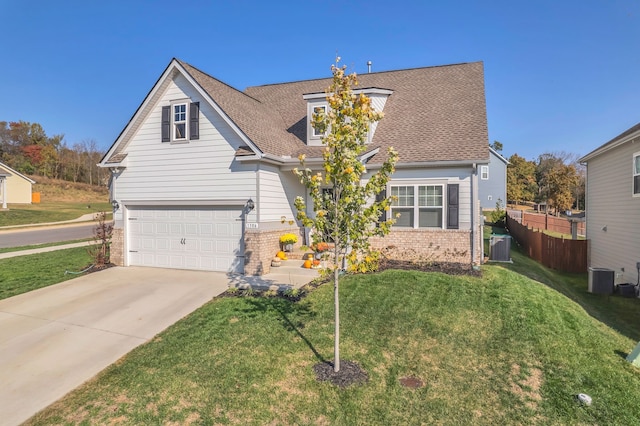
294,266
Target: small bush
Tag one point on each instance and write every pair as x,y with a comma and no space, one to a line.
498,216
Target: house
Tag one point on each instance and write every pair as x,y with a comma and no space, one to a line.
613,205
492,186
15,188
201,176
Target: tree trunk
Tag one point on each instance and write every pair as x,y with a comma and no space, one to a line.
336,302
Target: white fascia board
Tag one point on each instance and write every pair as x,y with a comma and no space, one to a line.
225,202
142,109
606,147
433,164
497,154
366,91
219,110
17,173
174,66
365,157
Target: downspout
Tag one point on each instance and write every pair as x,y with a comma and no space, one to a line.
474,177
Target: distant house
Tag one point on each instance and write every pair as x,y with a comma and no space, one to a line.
15,188
492,184
202,173
613,204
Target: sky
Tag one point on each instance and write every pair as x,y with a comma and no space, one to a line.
559,75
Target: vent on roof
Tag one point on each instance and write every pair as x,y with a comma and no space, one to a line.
369,67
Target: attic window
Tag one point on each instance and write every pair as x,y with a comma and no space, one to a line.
319,131
636,173
180,122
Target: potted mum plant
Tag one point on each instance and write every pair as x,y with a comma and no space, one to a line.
319,248
288,240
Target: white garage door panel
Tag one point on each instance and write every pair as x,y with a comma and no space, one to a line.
186,238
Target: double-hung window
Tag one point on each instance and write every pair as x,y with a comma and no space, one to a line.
484,172
419,206
636,174
179,122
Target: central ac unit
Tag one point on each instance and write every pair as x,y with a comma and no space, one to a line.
500,248
601,280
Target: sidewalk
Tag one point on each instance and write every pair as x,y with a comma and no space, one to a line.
84,218
43,249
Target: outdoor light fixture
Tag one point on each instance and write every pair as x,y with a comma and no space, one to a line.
250,205
115,205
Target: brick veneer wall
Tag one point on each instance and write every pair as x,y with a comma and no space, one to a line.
441,245
117,246
261,246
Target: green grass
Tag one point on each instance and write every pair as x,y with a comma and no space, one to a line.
619,313
26,273
19,214
501,349
36,246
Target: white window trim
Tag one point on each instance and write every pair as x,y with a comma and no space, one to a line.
416,207
484,170
185,121
634,174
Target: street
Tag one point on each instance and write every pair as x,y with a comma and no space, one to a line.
45,235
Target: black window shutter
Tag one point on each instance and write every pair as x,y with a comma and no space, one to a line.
166,123
453,206
194,120
379,197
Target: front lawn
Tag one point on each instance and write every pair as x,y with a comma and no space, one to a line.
25,273
500,349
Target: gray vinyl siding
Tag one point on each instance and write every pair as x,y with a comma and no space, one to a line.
610,204
203,169
277,192
495,187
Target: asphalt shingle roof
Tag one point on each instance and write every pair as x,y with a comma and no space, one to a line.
434,113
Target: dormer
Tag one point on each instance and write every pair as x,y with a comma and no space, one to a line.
317,101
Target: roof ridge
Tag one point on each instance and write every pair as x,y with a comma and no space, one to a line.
368,73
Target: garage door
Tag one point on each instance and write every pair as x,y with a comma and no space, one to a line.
198,238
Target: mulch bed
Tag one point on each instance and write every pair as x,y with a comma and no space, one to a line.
350,373
448,268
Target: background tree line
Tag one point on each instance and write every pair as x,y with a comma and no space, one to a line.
555,178
25,147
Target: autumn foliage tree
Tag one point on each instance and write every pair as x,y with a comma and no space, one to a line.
346,212
521,179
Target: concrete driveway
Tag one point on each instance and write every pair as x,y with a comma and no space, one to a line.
56,338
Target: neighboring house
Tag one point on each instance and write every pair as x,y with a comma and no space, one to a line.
613,205
14,187
202,173
492,186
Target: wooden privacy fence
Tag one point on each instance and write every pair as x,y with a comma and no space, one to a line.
545,221
556,253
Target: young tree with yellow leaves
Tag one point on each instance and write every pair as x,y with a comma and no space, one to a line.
345,211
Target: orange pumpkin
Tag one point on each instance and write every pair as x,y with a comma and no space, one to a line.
307,264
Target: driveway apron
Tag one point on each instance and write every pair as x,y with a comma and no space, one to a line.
55,338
